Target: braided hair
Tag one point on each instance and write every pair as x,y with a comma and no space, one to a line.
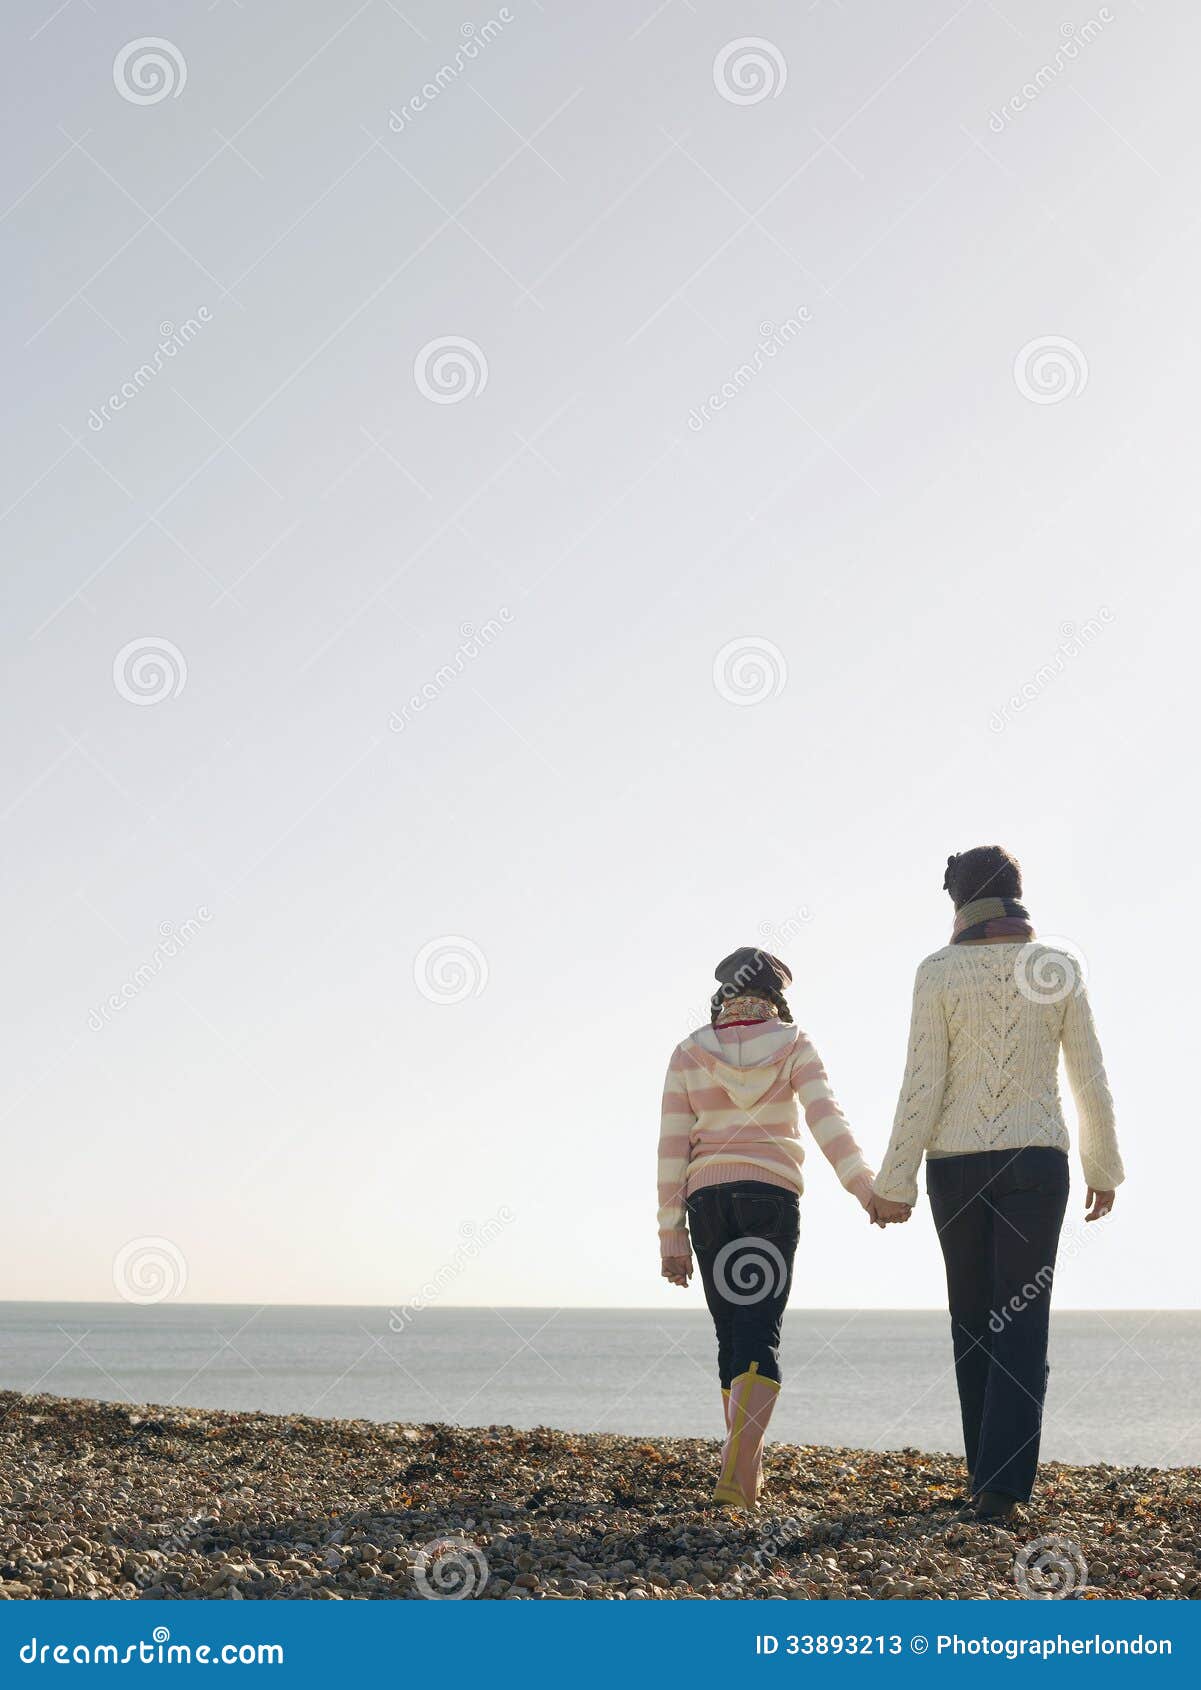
722,997
986,871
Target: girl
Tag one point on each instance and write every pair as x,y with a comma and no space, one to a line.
730,1159
980,1099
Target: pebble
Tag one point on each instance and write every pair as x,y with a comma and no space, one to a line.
183,1504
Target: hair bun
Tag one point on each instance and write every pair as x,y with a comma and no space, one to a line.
946,879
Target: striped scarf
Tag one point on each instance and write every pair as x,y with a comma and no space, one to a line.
992,921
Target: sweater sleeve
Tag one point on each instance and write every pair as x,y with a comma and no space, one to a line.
675,1148
827,1122
920,1102
1099,1153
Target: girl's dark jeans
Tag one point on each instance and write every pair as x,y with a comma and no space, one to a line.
998,1214
745,1238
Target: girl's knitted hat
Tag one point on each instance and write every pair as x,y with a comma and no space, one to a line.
748,970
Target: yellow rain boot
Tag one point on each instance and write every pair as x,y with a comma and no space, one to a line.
725,1408
752,1399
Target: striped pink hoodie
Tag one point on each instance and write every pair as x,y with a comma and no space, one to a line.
730,1113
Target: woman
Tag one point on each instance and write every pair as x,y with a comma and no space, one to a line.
730,1159
980,1099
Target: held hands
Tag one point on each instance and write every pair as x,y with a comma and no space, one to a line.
882,1212
1098,1203
677,1269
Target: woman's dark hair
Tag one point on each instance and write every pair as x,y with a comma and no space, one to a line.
986,871
751,973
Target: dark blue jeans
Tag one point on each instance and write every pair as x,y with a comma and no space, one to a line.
998,1214
745,1238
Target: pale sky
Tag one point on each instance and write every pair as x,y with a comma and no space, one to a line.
912,511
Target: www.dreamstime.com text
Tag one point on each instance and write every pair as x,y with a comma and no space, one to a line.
157,1650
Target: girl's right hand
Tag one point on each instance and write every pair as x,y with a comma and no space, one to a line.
678,1269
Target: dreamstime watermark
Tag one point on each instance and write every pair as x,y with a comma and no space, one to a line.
788,929
450,369
172,339
1021,1300
474,642
700,1015
1074,41
779,1539
1051,1566
1049,970
149,670
749,70
172,942
158,1650
450,1569
772,340
473,1241
474,41
749,670
180,1538
149,1270
1072,1241
749,1270
1050,369
449,969
1074,641
148,70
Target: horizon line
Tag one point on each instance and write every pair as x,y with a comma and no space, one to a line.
538,1308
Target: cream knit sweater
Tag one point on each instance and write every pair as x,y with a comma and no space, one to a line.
988,1025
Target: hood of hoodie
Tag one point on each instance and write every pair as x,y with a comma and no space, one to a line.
745,1061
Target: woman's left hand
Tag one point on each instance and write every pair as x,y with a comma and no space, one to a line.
1098,1203
678,1269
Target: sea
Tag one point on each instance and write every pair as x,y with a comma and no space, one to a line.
1124,1386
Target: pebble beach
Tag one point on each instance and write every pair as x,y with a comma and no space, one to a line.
103,1500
